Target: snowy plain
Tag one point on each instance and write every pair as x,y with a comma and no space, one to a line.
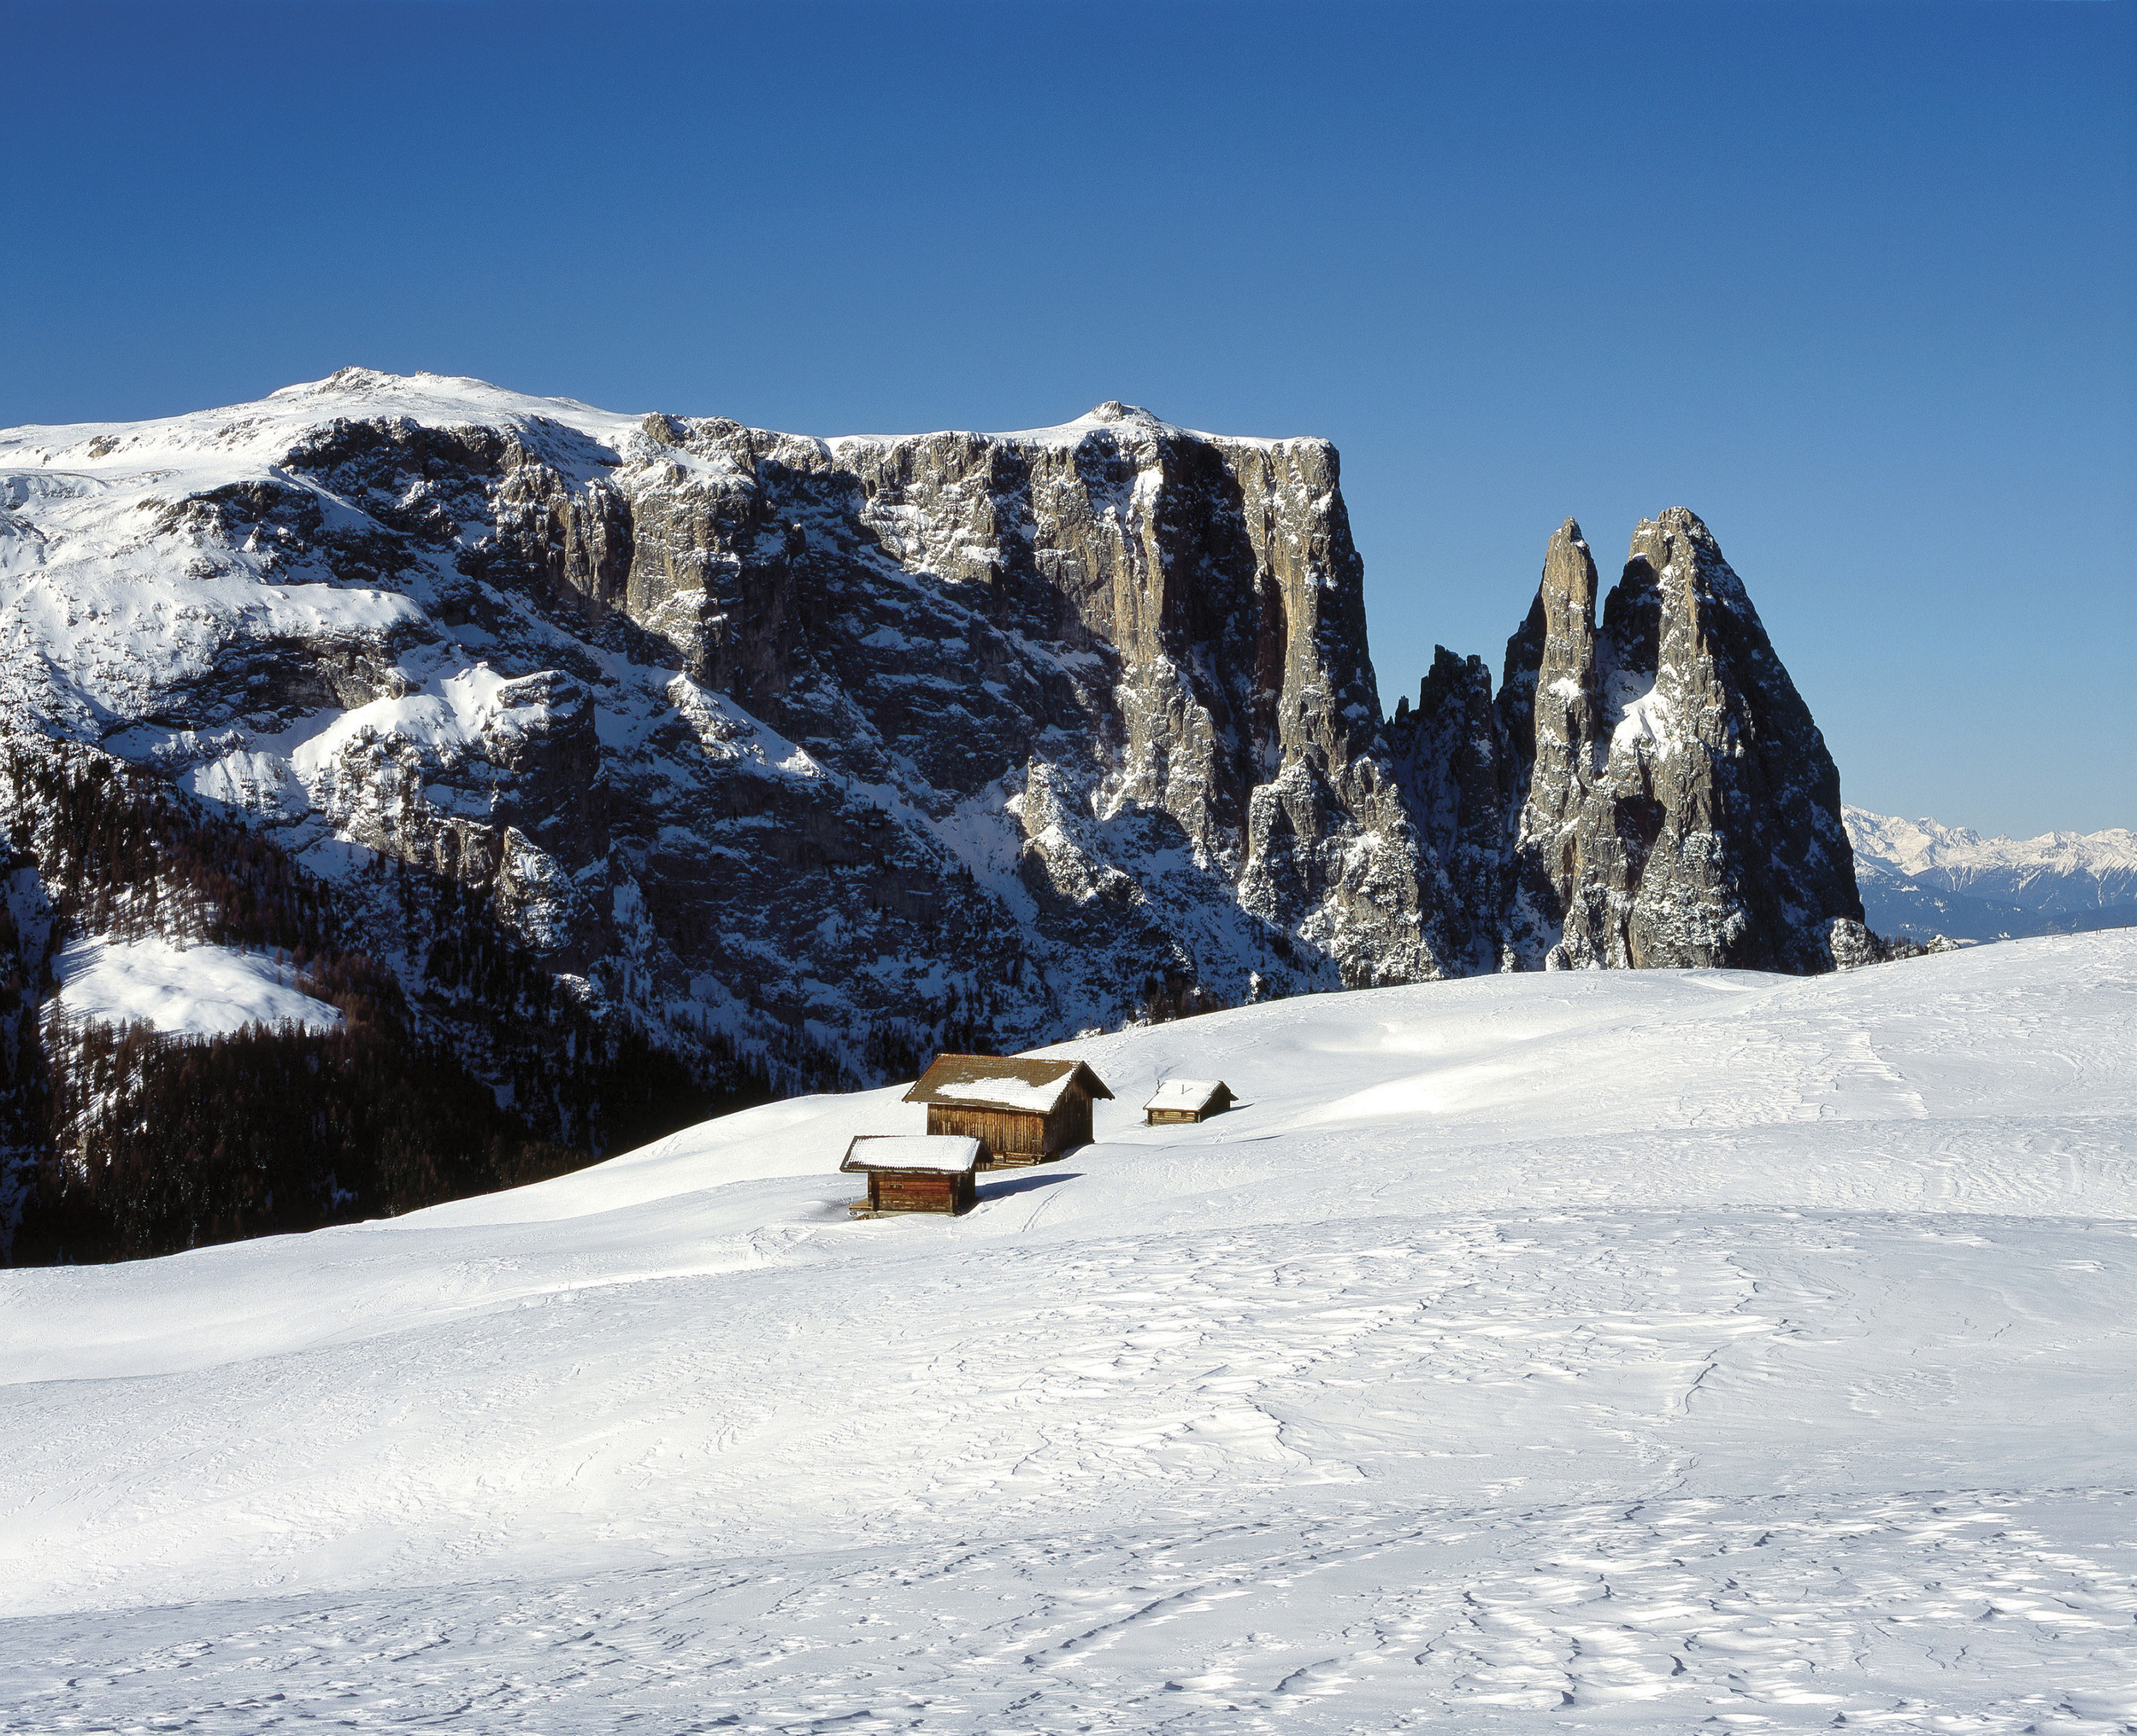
1627,1351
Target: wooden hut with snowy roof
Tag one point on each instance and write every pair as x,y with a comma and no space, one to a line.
1026,1111
1187,1100
915,1171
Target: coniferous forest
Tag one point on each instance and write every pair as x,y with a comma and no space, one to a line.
119,1142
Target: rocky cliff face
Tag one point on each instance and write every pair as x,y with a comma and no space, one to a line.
1663,796
1144,648
843,749
1682,807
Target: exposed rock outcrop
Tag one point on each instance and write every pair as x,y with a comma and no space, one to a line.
1452,759
1682,808
876,739
1163,631
1668,800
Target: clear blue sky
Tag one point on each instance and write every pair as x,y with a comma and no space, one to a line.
1853,282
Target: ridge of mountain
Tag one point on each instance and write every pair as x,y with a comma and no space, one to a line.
2055,871
1920,877
767,762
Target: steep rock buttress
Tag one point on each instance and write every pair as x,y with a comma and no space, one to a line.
1666,799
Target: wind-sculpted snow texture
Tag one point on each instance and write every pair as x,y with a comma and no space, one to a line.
849,748
1640,1351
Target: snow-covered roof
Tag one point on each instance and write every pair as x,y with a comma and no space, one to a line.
941,1154
1188,1094
987,1082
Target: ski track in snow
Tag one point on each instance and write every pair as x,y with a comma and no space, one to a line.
1631,1351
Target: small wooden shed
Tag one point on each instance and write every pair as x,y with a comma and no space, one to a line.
1026,1111
1187,1100
915,1171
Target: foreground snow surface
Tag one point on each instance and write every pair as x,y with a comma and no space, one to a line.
1627,1351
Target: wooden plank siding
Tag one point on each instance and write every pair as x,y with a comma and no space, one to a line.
905,1190
1017,1138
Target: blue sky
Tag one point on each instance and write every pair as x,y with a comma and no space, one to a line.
1854,282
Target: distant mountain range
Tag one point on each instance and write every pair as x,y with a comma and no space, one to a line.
1920,879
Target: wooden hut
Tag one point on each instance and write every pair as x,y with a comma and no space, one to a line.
1026,1111
915,1171
1187,1100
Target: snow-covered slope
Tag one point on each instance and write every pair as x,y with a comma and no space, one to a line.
1920,878
1613,1351
198,990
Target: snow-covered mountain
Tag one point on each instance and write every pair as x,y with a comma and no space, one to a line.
1920,878
853,741
585,763
1643,1352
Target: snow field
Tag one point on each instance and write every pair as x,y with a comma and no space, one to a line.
1629,1352
194,990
